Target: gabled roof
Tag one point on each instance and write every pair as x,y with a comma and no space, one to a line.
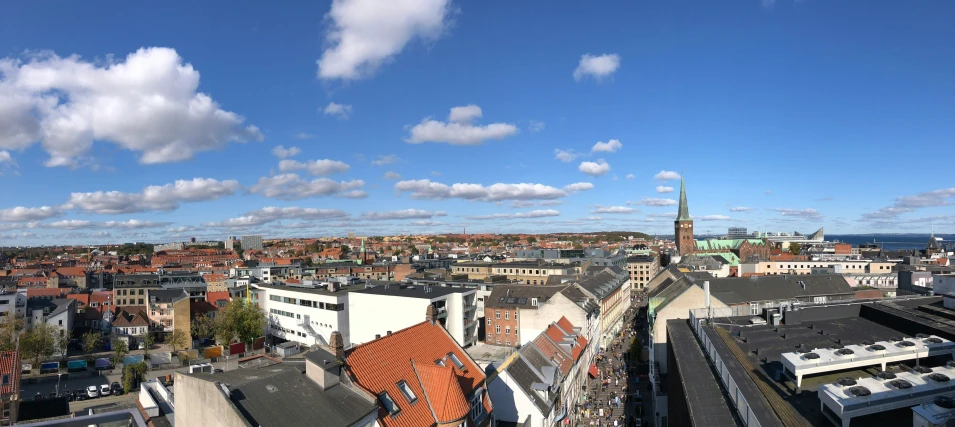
441,388
734,290
602,284
665,294
215,296
10,365
378,366
131,317
510,296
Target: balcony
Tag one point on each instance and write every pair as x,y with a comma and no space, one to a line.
441,312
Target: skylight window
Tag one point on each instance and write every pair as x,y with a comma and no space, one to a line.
439,362
457,362
406,390
388,403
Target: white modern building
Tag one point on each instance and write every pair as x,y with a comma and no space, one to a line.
376,311
13,301
307,314
252,242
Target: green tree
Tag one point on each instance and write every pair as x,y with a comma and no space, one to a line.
148,341
120,350
90,341
795,248
414,250
531,240
203,326
38,343
177,339
345,249
10,326
62,343
239,321
133,375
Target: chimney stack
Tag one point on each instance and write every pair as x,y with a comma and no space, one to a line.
338,345
430,314
706,291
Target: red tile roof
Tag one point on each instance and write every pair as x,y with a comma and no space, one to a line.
212,297
71,271
214,277
47,292
10,365
102,297
82,300
131,316
407,355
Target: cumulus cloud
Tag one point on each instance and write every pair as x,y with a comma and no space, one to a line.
904,204
459,129
521,204
565,156
427,189
631,176
597,67
597,168
401,214
284,153
600,209
518,215
741,209
182,229
292,187
800,213
271,213
392,176
666,176
535,126
21,214
321,167
713,218
148,104
153,198
342,111
649,201
426,223
611,146
77,224
661,215
385,160
365,34
5,157
304,135
664,189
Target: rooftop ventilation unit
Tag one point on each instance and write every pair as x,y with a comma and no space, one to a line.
938,377
895,339
867,342
810,356
933,340
944,402
922,369
845,351
836,346
846,381
900,384
906,344
921,335
802,350
859,391
885,375
876,347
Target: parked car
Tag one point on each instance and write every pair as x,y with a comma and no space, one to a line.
104,390
217,371
116,387
92,392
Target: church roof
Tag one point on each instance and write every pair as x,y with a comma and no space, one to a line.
684,211
932,243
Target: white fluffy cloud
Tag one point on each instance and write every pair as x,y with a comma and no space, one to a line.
597,168
385,160
801,213
78,224
292,187
364,34
631,176
611,146
5,157
401,214
518,215
741,209
148,104
284,153
153,198
650,201
392,176
713,218
597,67
427,189
535,126
904,204
565,156
323,167
341,111
459,129
21,214
272,213
599,209
666,176
664,189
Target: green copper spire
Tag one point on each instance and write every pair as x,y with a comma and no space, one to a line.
684,212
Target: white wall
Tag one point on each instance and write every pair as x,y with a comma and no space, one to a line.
322,321
694,297
943,284
510,402
533,322
371,314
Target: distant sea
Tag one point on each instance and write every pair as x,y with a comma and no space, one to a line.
888,241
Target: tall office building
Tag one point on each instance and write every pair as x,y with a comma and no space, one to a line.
737,233
253,242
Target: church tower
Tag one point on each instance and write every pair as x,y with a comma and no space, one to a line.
683,226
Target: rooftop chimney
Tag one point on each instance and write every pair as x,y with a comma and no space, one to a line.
706,291
338,345
430,315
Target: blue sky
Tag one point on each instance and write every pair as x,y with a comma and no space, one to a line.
125,122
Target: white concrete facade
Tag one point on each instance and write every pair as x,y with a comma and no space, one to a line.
533,322
304,315
458,311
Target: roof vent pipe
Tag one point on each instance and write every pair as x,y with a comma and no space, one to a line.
706,291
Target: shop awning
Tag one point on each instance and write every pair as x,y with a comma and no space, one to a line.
593,371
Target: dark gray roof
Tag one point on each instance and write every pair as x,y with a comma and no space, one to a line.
412,291
162,296
282,395
705,401
670,292
734,290
580,298
508,296
602,284
135,280
527,374
317,291
640,258
56,306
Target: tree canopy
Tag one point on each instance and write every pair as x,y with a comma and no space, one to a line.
239,321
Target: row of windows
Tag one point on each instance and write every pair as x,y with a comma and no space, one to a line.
308,303
507,315
129,301
284,313
497,330
123,292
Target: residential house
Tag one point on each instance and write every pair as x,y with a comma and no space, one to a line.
131,324
515,314
169,310
455,310
59,312
133,289
215,282
420,376
611,292
642,268
67,277
9,387
543,382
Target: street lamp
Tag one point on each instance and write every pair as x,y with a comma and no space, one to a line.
58,376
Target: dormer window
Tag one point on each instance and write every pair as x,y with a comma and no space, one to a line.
388,403
439,362
406,390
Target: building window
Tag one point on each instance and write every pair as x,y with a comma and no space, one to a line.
754,309
507,315
406,390
507,331
497,314
497,329
489,322
388,403
507,343
457,362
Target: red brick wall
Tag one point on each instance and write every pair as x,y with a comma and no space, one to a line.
508,319
843,248
869,294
